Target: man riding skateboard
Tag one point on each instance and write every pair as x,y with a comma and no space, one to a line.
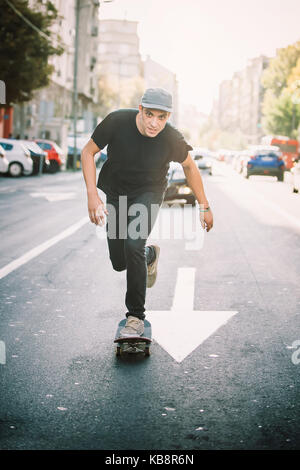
140,146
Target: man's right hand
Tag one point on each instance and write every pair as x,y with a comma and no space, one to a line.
97,210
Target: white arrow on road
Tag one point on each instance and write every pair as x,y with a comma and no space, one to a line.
182,329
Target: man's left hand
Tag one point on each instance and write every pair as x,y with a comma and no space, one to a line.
207,220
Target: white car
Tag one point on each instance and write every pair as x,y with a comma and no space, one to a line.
18,156
3,161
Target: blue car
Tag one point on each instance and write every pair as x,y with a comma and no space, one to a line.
265,161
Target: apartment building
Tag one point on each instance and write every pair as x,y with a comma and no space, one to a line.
156,75
119,59
50,113
126,74
240,99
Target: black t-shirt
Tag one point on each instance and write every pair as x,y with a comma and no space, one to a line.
136,163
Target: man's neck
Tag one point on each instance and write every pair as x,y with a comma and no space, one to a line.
138,124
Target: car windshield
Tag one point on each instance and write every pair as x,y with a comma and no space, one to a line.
32,146
44,145
267,154
288,148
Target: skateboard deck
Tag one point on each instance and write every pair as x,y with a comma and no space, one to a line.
134,344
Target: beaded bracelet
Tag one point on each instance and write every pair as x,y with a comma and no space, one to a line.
205,210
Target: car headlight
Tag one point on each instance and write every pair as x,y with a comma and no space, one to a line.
184,190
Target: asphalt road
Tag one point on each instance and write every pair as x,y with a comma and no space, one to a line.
62,386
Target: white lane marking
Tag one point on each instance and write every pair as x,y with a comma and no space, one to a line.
41,248
181,330
2,353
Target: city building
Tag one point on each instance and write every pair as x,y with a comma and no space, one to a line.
50,113
123,72
156,75
119,60
190,121
239,104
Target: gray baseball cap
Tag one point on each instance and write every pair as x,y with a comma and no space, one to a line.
157,98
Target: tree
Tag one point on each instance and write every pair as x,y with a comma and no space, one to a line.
276,75
281,113
25,51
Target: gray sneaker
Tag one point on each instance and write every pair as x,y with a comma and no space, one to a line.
134,327
152,268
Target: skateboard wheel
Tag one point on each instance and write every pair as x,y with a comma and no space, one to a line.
147,352
118,351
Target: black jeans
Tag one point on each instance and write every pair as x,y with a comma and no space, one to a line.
129,223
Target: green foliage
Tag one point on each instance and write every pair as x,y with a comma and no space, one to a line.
24,52
275,77
281,113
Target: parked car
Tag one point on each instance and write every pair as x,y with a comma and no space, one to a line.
265,161
203,159
20,161
295,171
3,161
241,161
178,188
38,156
81,141
55,154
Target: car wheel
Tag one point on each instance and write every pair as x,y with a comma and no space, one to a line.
15,169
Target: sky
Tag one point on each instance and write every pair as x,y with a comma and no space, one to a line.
206,41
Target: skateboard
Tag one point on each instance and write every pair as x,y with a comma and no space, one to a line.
134,344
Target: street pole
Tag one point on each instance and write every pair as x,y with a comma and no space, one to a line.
75,87
75,91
